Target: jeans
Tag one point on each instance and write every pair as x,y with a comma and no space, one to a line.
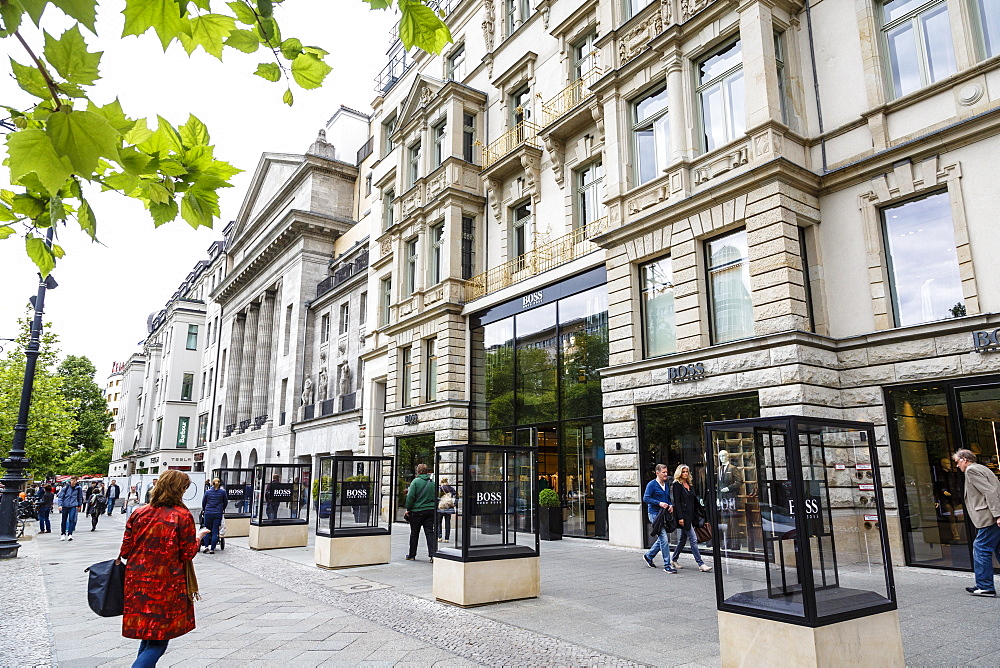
425,519
661,545
213,522
272,510
446,519
150,652
93,520
68,523
987,544
688,535
111,506
43,519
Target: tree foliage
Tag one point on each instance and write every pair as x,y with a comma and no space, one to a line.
87,400
67,139
84,462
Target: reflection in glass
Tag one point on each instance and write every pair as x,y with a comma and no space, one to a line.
238,484
583,335
281,494
989,19
720,88
658,323
651,135
729,287
919,43
410,451
937,43
536,365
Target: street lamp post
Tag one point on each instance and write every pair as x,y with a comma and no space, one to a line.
16,461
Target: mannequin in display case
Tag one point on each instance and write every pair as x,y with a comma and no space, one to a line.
730,483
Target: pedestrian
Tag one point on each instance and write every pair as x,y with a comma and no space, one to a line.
982,505
149,490
44,509
687,512
114,493
98,504
272,502
131,500
657,496
159,540
213,505
446,508
421,502
70,502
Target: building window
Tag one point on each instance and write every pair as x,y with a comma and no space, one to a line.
720,95
783,87
658,323
222,369
345,317
187,386
413,168
324,328
385,295
589,194
202,429
159,432
411,266
731,311
468,136
650,135
468,248
988,16
437,253
211,382
923,264
585,56
516,12
406,383
368,185
431,371
204,384
211,336
456,63
440,150
388,208
520,107
363,308
288,329
192,337
520,219
917,37
633,7
388,128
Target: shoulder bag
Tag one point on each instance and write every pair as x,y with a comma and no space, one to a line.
106,588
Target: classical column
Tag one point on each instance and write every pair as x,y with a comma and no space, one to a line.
760,73
261,379
247,365
680,139
233,372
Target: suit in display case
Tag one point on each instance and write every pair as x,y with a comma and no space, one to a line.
352,511
280,506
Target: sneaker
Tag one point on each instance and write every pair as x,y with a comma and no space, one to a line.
211,551
704,568
431,560
62,536
70,537
649,562
982,592
411,558
676,565
669,569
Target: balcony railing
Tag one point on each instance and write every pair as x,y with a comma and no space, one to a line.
524,132
547,256
569,97
393,72
347,271
365,150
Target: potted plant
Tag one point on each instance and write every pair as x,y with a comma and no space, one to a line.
549,515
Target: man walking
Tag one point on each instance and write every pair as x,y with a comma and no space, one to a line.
657,496
421,502
113,493
982,505
70,501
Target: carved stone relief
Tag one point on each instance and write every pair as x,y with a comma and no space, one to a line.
557,154
647,199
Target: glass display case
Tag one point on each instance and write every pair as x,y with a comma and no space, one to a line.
799,521
238,484
351,496
280,494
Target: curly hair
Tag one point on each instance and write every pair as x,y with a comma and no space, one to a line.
169,489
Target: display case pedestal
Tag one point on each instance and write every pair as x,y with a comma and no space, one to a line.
280,535
874,640
348,551
473,583
237,527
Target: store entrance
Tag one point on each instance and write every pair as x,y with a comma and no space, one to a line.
410,451
928,423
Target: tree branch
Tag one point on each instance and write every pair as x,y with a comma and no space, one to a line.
53,88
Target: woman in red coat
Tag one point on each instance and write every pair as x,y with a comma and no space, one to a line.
159,539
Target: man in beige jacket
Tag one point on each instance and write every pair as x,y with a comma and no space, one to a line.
982,505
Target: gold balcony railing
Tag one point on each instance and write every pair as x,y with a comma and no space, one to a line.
569,97
547,256
524,132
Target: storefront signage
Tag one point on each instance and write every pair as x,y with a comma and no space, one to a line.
533,299
234,493
685,373
986,341
487,498
355,493
411,418
182,431
866,487
279,491
863,467
153,460
871,518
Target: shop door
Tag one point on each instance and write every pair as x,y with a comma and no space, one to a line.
410,451
979,417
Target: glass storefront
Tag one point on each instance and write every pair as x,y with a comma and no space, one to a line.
536,382
410,451
927,423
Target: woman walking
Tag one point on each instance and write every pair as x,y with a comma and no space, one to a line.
446,508
687,512
159,544
213,505
98,504
44,509
131,500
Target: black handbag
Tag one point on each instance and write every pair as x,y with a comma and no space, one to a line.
106,588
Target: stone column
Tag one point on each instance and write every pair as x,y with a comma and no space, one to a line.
233,373
760,73
680,140
262,380
247,366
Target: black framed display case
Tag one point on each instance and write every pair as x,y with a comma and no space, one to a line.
280,494
238,484
351,495
814,549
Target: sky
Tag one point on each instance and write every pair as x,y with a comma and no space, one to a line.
107,290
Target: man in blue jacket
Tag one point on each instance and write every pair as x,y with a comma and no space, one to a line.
70,502
657,496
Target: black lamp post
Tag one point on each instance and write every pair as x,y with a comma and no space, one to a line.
16,461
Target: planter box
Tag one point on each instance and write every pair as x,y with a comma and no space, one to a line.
550,523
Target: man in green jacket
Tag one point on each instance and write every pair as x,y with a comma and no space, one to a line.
421,503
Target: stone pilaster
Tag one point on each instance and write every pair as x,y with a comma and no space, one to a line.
262,376
247,366
235,368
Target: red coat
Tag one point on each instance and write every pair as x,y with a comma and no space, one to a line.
157,543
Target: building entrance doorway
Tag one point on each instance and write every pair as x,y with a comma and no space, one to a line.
410,451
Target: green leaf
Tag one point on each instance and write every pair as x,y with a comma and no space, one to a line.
139,133
6,215
6,231
86,219
57,210
199,207
243,40
32,151
126,183
421,27
265,7
163,16
156,193
309,71
34,9
113,114
244,13
208,31
378,4
194,133
10,14
172,167
30,80
28,205
70,58
165,140
133,161
268,31
7,196
163,213
58,251
291,48
269,71
287,98
316,51
40,254
84,11
83,137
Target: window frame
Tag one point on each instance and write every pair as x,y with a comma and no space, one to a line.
406,377
345,318
324,328
187,387
517,117
363,308
643,309
456,61
701,87
439,134
709,286
923,63
628,11
982,46
592,56
192,338
388,128
413,163
437,252
410,257
385,300
581,190
468,137
519,226
388,208
647,124
468,247
430,367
